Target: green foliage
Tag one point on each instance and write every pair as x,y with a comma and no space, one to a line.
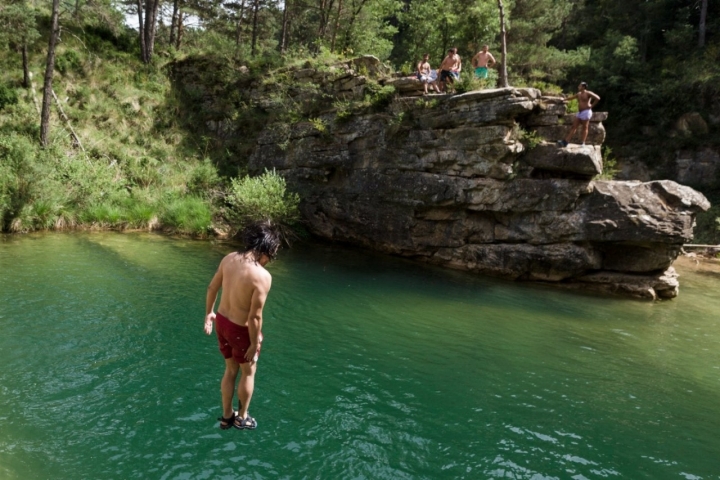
264,197
610,169
68,61
529,139
572,106
377,96
319,124
187,215
468,82
8,96
427,104
343,110
707,224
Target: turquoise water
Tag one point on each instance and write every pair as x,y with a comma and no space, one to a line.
372,367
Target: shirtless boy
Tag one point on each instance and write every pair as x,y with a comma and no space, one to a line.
426,74
450,68
586,100
238,323
482,61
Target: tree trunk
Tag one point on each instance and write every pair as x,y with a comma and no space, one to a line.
337,25
701,27
179,30
148,29
256,7
238,31
141,29
285,26
173,22
503,80
26,68
353,16
49,69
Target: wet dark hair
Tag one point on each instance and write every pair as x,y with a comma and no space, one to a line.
261,238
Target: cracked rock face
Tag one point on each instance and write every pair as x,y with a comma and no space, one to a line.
453,184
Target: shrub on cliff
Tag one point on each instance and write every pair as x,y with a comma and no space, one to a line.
264,197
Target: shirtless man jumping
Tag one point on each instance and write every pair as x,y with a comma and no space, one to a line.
481,61
238,323
585,103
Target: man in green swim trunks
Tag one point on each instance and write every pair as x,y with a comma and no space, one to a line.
482,61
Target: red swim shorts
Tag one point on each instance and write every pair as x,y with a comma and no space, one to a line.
233,339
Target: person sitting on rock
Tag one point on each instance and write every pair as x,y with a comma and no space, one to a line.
426,74
450,68
585,103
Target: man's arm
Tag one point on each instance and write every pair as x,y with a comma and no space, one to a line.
211,297
254,321
475,59
593,96
491,59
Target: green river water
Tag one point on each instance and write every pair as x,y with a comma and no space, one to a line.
372,368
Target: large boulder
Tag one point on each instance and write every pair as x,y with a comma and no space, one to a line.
575,159
450,182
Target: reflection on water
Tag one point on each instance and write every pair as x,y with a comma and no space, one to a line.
372,367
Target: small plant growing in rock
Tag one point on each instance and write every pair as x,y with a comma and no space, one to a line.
378,96
529,139
427,104
610,169
319,124
343,110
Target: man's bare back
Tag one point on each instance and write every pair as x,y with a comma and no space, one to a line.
243,282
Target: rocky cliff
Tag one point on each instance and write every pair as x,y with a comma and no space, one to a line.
475,182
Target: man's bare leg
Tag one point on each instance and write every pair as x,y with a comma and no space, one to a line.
227,385
246,387
586,129
574,128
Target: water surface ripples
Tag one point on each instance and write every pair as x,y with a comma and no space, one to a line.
373,368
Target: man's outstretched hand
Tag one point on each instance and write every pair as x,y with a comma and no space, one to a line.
209,319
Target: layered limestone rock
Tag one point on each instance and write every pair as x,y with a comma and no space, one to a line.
454,182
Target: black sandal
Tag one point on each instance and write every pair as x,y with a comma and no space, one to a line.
247,423
229,422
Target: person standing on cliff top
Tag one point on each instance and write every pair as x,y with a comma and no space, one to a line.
585,100
238,323
450,68
482,61
426,74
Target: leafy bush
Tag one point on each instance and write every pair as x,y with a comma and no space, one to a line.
187,215
203,178
378,96
68,61
8,96
262,198
610,169
468,82
529,139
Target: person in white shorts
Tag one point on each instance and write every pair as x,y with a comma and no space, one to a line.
586,100
426,74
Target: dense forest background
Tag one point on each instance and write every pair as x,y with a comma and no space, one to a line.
132,149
